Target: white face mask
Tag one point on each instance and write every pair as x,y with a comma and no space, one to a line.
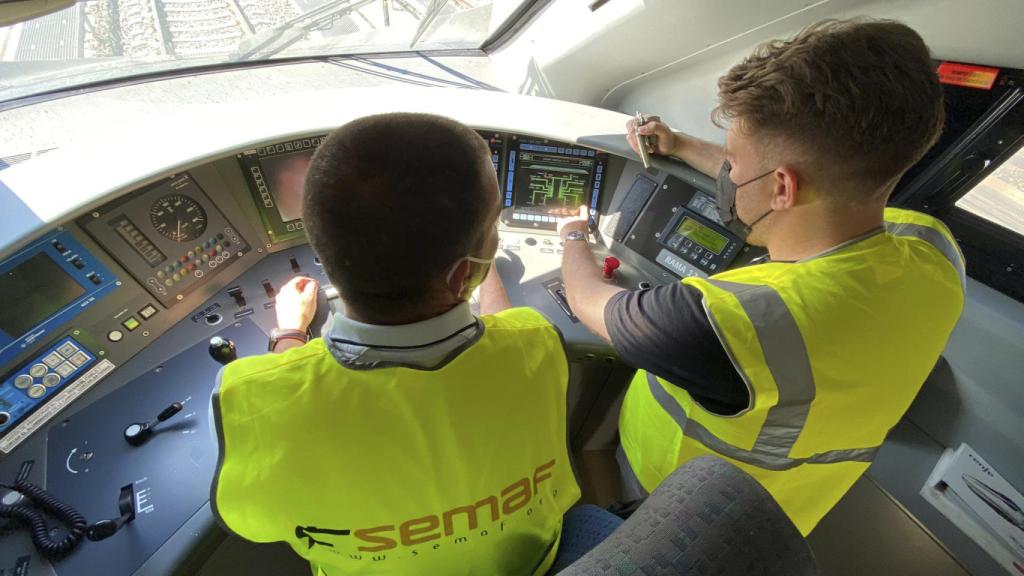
478,269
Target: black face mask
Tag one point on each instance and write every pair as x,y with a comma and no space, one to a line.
725,197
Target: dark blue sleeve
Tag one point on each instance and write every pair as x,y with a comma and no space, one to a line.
666,331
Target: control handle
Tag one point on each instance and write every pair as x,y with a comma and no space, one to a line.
125,507
223,350
137,433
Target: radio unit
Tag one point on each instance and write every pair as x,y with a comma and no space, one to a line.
45,286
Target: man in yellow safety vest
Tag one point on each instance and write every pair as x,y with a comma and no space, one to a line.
795,368
414,437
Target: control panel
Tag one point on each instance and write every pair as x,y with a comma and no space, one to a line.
674,225
169,236
36,381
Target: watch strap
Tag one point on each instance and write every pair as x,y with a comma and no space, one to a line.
277,334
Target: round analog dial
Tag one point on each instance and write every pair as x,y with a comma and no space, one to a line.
178,217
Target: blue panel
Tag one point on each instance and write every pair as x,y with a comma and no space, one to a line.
43,377
71,257
16,218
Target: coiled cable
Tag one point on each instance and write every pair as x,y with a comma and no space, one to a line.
48,547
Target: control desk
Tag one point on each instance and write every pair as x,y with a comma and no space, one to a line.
106,362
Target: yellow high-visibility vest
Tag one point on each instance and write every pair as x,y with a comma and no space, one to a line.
833,350
462,469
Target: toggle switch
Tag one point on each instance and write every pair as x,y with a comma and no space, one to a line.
295,264
269,289
236,293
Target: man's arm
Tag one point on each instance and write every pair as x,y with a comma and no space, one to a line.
493,297
704,156
295,306
585,287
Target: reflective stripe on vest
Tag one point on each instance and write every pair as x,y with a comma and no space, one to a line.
768,460
943,244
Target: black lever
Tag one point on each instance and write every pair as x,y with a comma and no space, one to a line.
125,506
223,350
137,433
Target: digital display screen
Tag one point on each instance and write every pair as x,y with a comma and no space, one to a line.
40,288
552,185
285,175
137,240
702,235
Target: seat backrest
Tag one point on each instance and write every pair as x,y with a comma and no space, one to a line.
707,518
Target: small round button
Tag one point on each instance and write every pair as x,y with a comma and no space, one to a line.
531,241
36,391
160,274
51,380
168,282
23,381
38,370
115,335
176,277
4,419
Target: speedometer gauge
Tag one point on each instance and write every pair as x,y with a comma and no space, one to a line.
178,217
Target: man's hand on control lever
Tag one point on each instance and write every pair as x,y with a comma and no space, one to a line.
661,138
296,303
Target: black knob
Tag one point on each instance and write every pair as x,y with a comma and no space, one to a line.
137,433
223,350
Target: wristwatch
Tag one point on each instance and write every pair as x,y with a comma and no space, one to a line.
277,334
576,235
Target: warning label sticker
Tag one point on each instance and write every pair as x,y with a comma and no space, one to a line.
968,75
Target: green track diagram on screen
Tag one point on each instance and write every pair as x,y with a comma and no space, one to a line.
557,186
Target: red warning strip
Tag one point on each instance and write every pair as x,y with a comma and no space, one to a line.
967,75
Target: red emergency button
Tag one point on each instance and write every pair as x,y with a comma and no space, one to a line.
611,264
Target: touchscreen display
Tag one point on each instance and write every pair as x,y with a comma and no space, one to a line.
40,287
548,186
702,235
285,175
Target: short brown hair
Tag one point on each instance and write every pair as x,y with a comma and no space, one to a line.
391,200
858,101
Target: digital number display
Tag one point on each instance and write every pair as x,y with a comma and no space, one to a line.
702,235
137,240
40,288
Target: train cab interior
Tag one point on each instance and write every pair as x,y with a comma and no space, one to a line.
121,119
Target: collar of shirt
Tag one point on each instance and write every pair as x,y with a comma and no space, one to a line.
426,345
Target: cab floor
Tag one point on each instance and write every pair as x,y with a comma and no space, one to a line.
866,533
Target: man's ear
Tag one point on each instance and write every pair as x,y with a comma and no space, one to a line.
458,278
785,188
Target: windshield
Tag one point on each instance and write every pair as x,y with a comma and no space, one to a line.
98,40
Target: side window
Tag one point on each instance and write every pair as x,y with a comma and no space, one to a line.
999,198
